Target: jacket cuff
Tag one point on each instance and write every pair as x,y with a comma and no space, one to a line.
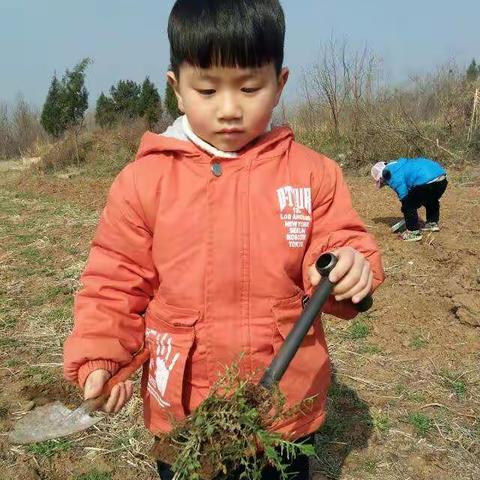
344,310
87,368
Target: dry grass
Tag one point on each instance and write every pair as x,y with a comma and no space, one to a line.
349,113
103,152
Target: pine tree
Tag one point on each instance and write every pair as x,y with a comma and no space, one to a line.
125,96
75,96
149,104
129,100
67,101
171,103
105,114
51,118
473,71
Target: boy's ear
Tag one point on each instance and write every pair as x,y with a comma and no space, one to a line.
282,80
173,81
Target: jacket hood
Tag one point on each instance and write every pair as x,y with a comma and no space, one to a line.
175,141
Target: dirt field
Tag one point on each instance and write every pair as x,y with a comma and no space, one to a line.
405,402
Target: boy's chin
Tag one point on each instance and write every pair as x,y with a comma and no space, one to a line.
230,147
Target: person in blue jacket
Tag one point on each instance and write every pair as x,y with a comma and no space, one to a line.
417,182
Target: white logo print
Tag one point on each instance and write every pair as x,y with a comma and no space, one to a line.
161,365
296,212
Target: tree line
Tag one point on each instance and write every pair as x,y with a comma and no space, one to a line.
344,113
67,102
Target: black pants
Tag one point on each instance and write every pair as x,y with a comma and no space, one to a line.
299,468
427,196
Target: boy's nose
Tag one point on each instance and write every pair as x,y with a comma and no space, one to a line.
229,108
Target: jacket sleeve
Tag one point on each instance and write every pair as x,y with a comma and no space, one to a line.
335,224
399,180
402,187
117,285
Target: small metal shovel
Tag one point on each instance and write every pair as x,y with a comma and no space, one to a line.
55,420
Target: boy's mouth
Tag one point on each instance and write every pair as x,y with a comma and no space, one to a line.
231,131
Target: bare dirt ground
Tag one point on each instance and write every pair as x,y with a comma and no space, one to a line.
405,401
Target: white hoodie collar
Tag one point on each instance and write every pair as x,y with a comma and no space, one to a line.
181,130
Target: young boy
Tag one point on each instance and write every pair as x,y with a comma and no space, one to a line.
417,182
207,244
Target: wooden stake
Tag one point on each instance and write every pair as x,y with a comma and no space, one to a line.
474,117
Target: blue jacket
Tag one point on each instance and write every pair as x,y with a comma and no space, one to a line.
407,173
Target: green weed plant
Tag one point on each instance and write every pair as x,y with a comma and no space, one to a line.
228,430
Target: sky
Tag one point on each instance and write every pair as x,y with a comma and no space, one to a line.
127,39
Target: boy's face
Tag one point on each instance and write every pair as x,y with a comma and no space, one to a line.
228,107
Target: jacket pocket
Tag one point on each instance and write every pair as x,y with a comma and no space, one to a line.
308,374
169,336
286,312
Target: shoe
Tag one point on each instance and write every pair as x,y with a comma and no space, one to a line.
431,227
411,236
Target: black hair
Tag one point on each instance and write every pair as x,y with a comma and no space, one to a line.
386,174
226,33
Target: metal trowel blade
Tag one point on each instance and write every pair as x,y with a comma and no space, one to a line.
50,421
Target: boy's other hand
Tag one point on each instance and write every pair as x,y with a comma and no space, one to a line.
352,276
119,396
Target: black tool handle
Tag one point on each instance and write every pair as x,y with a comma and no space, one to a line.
274,372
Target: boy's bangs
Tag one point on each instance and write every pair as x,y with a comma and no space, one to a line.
231,49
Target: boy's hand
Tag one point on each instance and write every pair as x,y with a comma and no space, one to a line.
352,275
119,396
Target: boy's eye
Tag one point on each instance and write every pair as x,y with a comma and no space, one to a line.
250,89
206,92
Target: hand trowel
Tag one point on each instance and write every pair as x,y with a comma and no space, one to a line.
55,420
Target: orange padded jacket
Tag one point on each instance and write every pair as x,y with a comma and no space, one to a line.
203,258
